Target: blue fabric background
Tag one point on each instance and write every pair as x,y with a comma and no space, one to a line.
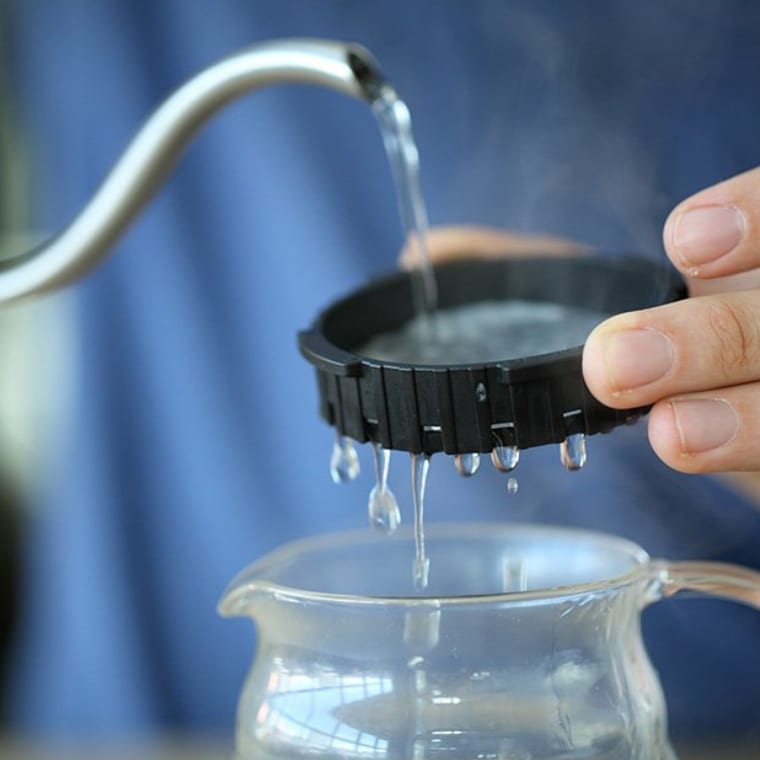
195,445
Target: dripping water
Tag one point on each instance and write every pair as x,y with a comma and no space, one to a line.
395,124
467,464
573,451
485,331
384,512
344,462
514,575
420,465
505,458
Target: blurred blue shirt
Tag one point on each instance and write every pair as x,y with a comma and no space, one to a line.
193,444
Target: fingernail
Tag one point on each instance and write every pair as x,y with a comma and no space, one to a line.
636,357
704,234
704,423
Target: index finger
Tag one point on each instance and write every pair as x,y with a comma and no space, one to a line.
716,232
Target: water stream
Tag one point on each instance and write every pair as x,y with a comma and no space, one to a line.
384,512
395,123
475,333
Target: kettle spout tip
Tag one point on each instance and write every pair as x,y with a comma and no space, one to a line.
371,80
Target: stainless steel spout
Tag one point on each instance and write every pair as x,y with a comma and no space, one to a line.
154,151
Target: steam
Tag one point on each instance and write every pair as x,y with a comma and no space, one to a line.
579,132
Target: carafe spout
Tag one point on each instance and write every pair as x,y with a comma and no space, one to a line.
238,599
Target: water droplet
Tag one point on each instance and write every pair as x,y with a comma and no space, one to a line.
505,458
573,451
421,573
420,466
512,486
344,462
467,464
384,513
514,575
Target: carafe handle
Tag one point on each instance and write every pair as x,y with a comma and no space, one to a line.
719,579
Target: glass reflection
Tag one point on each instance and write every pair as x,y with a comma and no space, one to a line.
323,710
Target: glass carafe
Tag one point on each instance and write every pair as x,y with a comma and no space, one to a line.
525,646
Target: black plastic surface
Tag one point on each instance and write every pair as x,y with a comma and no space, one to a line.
529,401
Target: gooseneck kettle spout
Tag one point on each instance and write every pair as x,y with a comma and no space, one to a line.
155,149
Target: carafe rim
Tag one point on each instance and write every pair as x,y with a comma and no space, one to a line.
253,581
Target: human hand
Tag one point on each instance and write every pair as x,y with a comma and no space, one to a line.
454,242
710,388
698,360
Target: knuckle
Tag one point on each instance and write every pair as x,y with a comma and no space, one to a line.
735,337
